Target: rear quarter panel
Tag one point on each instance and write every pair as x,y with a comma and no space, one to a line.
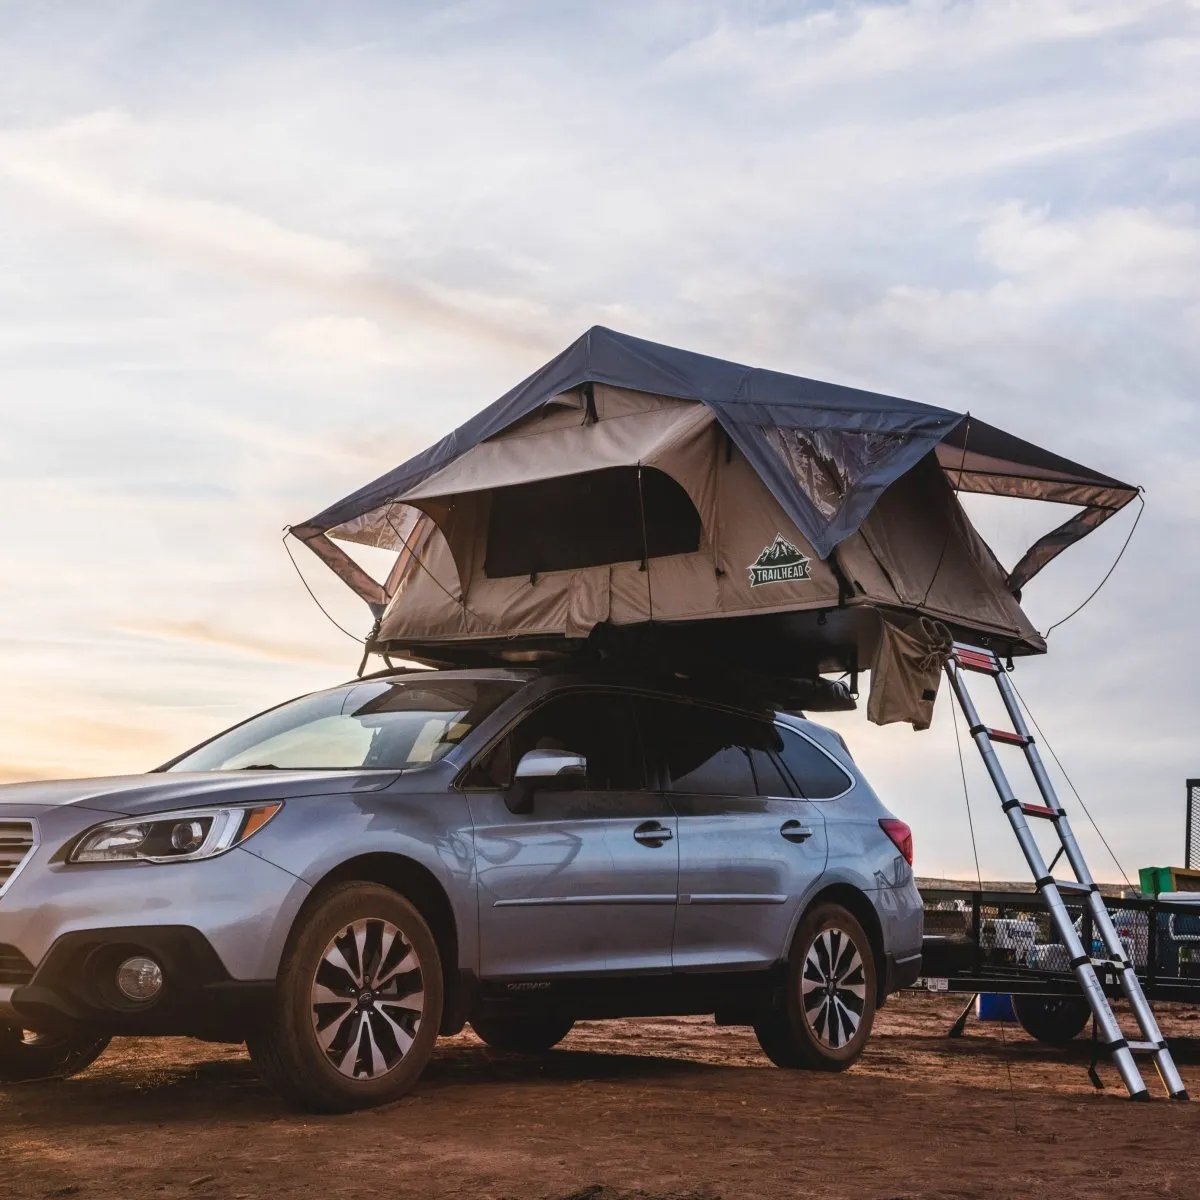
862,855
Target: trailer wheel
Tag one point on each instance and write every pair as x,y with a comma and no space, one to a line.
1055,1020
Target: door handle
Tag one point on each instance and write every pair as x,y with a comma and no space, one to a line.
793,831
651,833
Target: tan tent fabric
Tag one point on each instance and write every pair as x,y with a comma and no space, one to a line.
677,437
527,456
633,428
906,671
916,551
934,559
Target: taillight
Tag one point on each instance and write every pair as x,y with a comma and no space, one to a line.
900,834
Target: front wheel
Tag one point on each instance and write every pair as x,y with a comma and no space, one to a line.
26,1056
522,1035
829,1001
358,1003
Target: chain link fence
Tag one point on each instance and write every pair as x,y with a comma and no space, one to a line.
1192,848
993,933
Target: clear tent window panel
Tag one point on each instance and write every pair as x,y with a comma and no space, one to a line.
827,463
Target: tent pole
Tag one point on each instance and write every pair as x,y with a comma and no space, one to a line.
645,545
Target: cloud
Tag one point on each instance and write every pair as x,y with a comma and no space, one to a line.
231,238
844,44
1119,254
201,633
247,265
224,235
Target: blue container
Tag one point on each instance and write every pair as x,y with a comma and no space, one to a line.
994,1006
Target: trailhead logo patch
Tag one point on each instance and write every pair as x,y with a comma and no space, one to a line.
780,562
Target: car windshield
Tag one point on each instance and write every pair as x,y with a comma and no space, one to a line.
378,724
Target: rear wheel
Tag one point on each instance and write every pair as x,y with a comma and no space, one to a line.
358,1003
1055,1020
26,1056
522,1035
829,995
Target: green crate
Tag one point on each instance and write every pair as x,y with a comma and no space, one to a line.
1153,880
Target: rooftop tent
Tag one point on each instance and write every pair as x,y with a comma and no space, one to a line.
629,484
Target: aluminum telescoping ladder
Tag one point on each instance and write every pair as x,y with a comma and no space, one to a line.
1083,964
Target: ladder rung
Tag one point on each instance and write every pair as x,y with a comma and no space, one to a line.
1040,810
1007,737
976,660
1069,885
1145,1047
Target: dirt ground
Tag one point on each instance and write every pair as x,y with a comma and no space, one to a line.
632,1110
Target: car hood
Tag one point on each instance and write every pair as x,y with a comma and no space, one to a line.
131,795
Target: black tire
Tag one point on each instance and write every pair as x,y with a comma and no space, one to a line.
378,1022
522,1035
1055,1020
26,1056
803,1032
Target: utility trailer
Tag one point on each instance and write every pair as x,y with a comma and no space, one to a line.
1004,942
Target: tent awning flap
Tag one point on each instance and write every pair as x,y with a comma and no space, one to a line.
978,457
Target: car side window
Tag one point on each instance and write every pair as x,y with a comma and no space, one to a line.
768,776
598,725
703,751
816,775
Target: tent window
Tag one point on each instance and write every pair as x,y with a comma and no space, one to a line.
588,520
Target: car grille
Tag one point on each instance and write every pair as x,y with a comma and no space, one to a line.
17,842
15,968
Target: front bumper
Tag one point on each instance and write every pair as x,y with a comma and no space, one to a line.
219,925
73,986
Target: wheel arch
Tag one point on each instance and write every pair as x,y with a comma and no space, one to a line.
859,904
421,887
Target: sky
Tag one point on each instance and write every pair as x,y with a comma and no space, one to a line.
251,256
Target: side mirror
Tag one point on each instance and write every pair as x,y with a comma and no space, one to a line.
545,771
551,769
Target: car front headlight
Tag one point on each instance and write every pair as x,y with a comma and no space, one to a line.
172,837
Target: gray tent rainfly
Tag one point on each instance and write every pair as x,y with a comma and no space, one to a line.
778,520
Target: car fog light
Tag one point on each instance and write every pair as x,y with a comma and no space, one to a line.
139,978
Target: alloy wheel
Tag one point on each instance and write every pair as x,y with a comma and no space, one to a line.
833,988
367,999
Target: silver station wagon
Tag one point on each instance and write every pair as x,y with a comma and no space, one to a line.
340,880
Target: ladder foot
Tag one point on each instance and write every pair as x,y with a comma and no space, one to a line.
1142,1095
1180,1095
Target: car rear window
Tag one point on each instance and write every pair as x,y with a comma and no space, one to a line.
816,775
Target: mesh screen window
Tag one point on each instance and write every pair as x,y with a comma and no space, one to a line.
588,520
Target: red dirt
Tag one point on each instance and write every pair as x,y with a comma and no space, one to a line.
631,1110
